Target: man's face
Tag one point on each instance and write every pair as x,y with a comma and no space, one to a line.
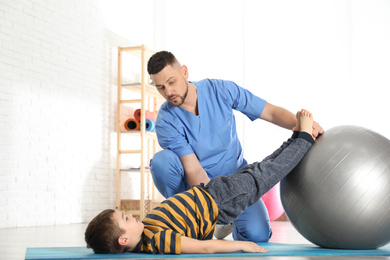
132,226
172,84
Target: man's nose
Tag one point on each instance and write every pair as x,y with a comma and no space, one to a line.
168,90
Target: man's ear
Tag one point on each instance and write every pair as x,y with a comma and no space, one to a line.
123,241
184,70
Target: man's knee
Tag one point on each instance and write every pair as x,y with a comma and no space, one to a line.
163,164
167,172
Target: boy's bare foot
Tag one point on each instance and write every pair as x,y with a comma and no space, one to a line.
305,122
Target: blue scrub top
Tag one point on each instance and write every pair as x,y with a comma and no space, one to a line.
212,135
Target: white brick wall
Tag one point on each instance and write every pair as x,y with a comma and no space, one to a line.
57,111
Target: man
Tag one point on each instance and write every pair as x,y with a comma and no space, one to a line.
197,130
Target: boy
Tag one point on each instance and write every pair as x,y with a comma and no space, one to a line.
185,223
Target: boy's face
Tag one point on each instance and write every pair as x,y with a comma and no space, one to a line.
133,227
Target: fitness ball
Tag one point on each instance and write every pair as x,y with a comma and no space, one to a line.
338,196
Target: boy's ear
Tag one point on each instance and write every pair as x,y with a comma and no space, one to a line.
123,241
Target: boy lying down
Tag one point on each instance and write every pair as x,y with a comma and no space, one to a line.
185,223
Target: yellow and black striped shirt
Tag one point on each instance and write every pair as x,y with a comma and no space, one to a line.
192,213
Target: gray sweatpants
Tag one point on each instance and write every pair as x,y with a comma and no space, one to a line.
236,192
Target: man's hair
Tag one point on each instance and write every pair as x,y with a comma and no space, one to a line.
102,234
160,60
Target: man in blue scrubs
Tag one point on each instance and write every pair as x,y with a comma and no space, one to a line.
197,130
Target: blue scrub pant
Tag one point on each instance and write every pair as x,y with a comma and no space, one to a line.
169,177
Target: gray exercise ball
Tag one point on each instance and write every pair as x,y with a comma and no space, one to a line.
338,196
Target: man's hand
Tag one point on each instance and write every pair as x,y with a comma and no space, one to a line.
284,118
317,129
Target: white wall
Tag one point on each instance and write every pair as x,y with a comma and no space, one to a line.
331,57
58,62
209,41
207,36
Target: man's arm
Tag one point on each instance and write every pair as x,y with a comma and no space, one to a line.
278,116
194,246
195,174
284,118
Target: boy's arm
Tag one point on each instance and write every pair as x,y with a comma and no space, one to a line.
194,246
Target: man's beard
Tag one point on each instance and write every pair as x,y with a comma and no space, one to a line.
180,99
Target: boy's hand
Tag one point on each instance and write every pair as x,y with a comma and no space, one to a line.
250,247
194,246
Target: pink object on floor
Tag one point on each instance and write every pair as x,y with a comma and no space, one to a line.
273,203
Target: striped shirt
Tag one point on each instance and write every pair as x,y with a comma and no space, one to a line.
192,213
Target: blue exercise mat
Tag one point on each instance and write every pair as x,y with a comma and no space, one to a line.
275,249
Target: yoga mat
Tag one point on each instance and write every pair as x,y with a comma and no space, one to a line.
148,115
131,124
275,249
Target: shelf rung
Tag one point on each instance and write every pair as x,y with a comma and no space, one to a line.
129,151
134,170
149,90
148,134
133,48
136,50
131,101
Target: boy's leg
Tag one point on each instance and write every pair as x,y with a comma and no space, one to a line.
297,129
253,224
234,193
168,173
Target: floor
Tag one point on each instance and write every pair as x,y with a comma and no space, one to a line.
14,241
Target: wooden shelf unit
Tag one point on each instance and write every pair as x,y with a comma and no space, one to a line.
142,206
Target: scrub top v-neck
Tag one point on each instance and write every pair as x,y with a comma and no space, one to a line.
211,135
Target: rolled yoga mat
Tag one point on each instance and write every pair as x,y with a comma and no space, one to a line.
148,115
150,125
131,124
126,112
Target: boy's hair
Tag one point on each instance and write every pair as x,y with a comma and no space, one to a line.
160,60
102,234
